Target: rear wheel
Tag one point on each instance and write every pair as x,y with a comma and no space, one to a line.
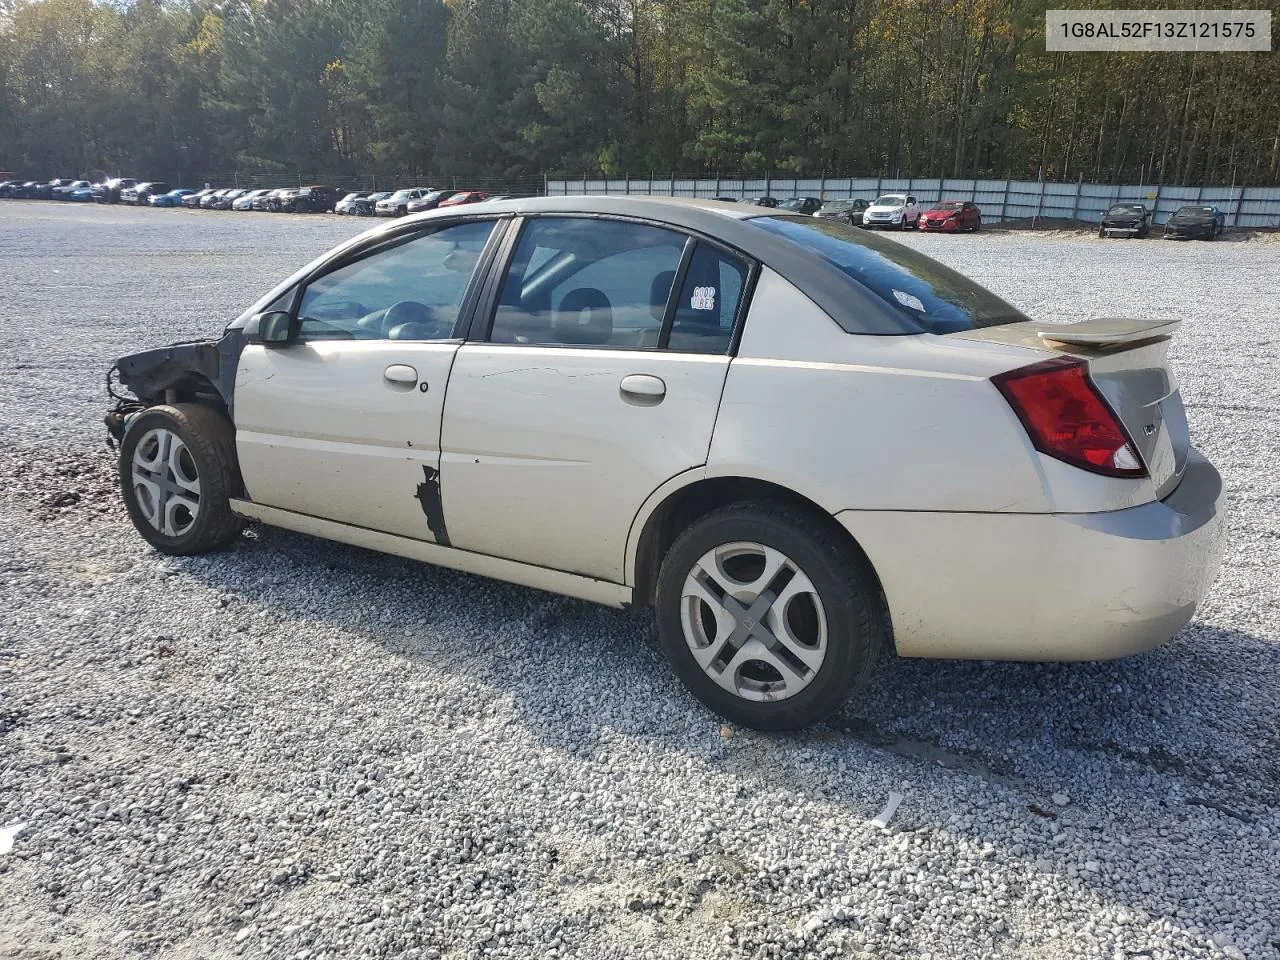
178,472
768,615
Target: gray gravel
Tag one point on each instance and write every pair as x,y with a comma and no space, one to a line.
299,749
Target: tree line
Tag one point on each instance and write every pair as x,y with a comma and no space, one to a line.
505,88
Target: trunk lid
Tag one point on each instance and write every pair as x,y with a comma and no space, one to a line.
1128,360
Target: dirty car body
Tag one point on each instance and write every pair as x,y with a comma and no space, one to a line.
669,402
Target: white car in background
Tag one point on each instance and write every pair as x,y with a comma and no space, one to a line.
892,210
802,444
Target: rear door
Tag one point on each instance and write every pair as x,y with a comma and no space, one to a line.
343,422
596,379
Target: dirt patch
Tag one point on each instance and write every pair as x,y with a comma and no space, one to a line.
54,485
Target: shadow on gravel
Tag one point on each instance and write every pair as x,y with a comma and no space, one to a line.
1202,708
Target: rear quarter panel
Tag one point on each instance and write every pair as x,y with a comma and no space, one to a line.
887,423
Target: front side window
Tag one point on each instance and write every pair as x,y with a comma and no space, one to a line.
410,289
588,282
935,298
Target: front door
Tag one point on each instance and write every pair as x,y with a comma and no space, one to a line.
343,422
598,381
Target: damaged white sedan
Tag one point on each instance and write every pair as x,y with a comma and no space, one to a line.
803,445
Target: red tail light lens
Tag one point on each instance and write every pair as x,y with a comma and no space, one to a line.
1068,419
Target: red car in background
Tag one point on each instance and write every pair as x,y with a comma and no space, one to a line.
466,196
951,216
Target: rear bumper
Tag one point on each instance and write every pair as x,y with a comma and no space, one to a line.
1091,586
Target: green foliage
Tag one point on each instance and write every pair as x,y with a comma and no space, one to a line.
408,88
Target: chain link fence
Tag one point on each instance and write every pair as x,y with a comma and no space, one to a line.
1000,200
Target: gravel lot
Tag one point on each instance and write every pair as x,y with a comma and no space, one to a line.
299,749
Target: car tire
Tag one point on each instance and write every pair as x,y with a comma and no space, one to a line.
173,458
834,615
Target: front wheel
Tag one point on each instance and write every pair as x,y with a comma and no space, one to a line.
178,471
769,615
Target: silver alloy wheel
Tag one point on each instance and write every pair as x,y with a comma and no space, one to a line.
754,621
166,483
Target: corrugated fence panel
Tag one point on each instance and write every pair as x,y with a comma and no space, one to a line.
999,199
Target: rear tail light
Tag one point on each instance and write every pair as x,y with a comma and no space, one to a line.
1068,419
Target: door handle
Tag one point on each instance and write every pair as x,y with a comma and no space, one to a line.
643,389
401,373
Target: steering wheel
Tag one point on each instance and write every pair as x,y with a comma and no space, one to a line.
426,323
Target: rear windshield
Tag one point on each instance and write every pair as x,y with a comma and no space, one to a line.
933,297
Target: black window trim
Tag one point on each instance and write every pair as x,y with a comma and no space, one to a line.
398,236
480,328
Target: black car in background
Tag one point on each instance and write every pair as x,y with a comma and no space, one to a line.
109,190
225,198
1195,222
312,199
804,205
846,211
429,202
763,201
364,206
1125,220
11,189
193,201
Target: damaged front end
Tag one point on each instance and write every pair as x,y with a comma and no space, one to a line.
198,371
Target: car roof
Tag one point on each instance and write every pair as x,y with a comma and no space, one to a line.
821,281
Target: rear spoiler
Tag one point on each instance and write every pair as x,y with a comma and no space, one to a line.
1109,331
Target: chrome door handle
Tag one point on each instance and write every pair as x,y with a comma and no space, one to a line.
642,388
401,373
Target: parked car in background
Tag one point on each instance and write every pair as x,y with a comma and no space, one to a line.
109,190
140,193
194,200
245,200
64,191
364,206
207,201
951,216
847,211
263,200
464,197
801,205
660,431
225,201
6,187
26,190
44,191
429,202
345,206
277,200
82,194
397,205
892,210
1195,222
311,199
763,201
1125,220
173,198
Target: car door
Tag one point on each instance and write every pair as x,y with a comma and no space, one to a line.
594,378
343,421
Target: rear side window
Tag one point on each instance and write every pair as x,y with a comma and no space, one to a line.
708,302
933,297
588,282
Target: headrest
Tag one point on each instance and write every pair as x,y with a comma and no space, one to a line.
585,316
